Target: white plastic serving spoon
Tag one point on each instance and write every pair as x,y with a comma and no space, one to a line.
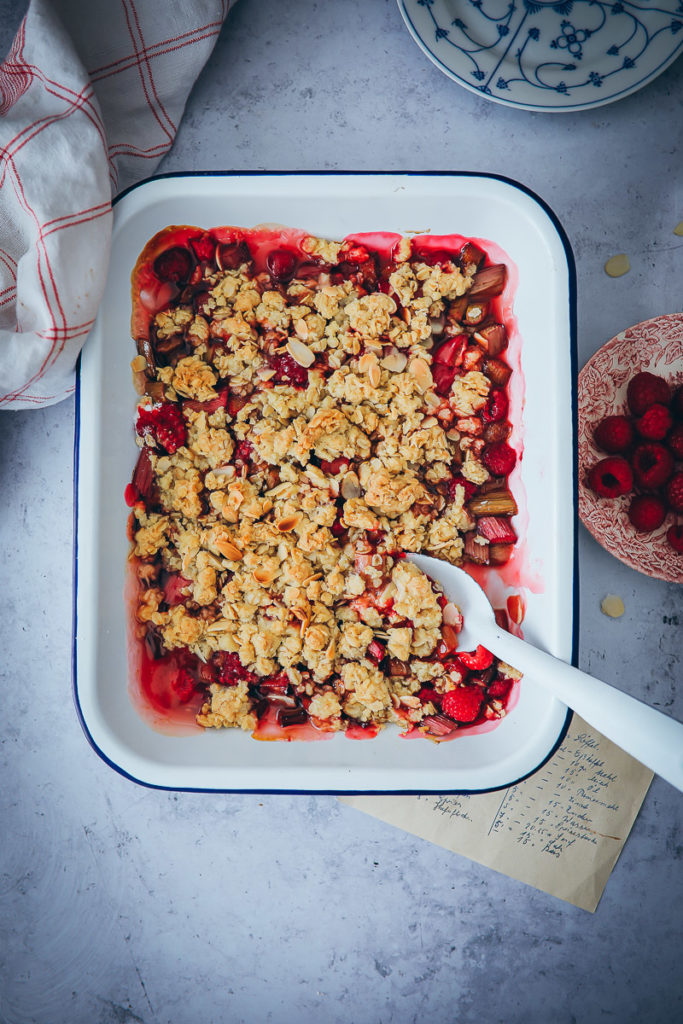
650,736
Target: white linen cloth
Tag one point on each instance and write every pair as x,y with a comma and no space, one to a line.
91,94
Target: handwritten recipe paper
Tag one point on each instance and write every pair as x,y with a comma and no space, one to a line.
561,830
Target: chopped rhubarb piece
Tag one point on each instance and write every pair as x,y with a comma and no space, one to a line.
515,607
450,352
438,725
219,402
174,265
130,495
463,704
143,478
204,247
476,548
488,282
501,617
376,651
498,502
499,554
449,635
492,338
291,716
497,529
173,589
471,253
232,255
398,669
497,371
164,423
477,660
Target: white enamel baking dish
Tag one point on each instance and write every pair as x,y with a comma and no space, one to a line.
331,205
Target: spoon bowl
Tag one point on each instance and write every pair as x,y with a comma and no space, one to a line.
651,737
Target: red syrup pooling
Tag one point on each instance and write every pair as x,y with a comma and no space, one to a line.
151,680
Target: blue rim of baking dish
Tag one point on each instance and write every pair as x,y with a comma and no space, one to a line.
571,271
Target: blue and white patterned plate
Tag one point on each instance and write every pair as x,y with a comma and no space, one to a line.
549,55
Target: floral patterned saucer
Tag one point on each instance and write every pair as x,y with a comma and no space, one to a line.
551,55
657,346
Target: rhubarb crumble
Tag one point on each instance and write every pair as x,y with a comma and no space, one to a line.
309,411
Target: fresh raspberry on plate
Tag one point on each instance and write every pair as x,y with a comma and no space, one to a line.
499,458
462,704
647,512
674,535
655,423
614,434
644,390
611,477
652,465
674,441
674,492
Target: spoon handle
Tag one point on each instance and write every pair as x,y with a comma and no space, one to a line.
650,736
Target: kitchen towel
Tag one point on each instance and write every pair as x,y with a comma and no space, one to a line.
90,99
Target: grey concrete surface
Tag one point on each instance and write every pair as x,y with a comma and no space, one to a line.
122,905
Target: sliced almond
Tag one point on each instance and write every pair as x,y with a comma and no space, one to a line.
366,362
350,487
375,375
421,373
263,576
301,329
228,549
432,401
429,421
300,353
288,523
139,364
219,626
451,614
395,361
265,373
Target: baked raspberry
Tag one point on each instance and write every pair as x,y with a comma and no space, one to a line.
459,481
376,651
652,465
462,704
233,672
674,492
655,423
476,661
674,441
244,452
164,423
496,408
288,371
644,390
614,434
174,265
611,477
499,458
204,247
500,687
674,535
183,685
281,264
647,512
174,589
233,255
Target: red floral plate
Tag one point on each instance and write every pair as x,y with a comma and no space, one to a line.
655,345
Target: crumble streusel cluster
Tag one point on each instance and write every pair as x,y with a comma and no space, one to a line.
312,448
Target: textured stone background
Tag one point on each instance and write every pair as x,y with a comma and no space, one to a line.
119,904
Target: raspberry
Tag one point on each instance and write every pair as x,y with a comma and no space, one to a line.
614,434
476,661
281,264
499,458
652,465
288,371
674,492
183,686
462,704
174,587
500,687
647,512
174,265
233,671
675,441
654,423
611,477
164,422
232,255
674,535
204,246
244,452
644,390
497,407
459,481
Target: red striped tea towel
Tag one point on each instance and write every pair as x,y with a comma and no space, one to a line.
90,99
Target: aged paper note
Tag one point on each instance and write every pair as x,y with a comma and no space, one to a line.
561,830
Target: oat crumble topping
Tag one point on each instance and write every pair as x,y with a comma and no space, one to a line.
303,425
